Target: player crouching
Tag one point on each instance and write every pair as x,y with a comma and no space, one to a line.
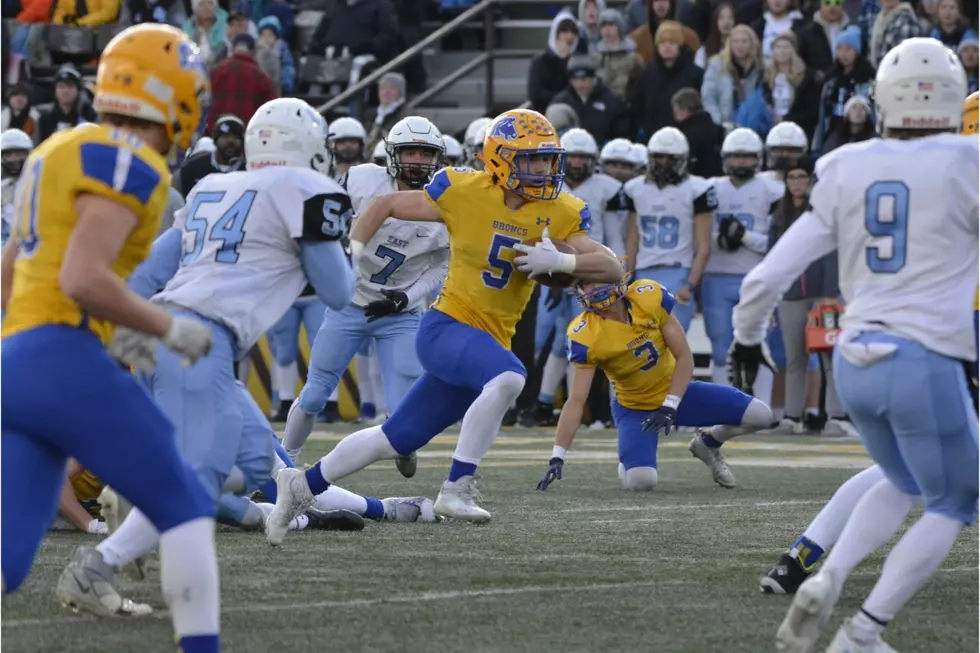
629,331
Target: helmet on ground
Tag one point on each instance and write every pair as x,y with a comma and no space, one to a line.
786,144
668,153
15,145
474,137
420,136
523,154
970,111
741,142
155,73
287,132
454,151
579,143
920,85
347,129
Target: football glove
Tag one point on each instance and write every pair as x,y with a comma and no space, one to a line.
553,300
743,363
730,232
189,338
554,473
661,419
134,348
395,301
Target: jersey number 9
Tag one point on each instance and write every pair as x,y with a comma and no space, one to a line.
896,227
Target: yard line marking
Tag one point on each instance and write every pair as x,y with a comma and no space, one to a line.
697,506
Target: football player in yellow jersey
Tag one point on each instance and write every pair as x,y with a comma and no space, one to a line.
87,210
631,333
464,342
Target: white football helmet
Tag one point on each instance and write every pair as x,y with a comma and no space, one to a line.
785,145
639,156
579,143
920,85
15,145
352,131
414,133
741,142
473,139
379,156
454,151
287,132
668,152
616,159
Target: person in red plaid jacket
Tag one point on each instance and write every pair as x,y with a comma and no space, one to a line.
238,85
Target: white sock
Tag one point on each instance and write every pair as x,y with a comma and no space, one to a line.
481,423
274,386
554,369
757,416
337,498
826,527
299,425
255,516
189,577
355,452
911,563
244,369
364,385
335,395
719,374
235,481
136,537
377,385
288,380
876,517
762,388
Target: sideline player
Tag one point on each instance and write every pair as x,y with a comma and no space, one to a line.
15,146
908,272
88,207
630,332
464,341
402,263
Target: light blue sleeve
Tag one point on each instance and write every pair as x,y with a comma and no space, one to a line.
328,271
160,266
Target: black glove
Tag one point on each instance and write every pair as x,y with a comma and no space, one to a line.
554,473
743,364
730,232
395,301
553,300
661,419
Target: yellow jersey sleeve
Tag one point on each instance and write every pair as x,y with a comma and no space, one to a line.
574,218
443,190
578,342
652,298
122,171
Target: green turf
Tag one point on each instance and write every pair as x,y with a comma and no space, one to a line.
582,567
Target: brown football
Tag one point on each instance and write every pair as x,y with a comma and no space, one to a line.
558,280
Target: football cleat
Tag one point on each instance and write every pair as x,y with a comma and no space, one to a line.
844,643
409,509
721,472
809,613
334,520
115,507
407,465
458,500
785,577
86,584
293,500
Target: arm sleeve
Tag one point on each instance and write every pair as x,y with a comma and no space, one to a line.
326,217
160,266
118,174
757,241
431,279
328,271
440,191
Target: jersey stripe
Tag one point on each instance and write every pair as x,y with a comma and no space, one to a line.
578,353
120,170
666,301
440,184
586,217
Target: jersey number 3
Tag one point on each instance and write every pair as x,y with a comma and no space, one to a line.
883,223
229,229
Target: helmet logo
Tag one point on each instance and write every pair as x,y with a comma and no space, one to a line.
505,129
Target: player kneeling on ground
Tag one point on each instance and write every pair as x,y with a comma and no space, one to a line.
629,331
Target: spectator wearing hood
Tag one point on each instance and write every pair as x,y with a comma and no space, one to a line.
271,46
18,113
671,70
659,12
969,56
589,12
894,23
92,13
733,75
206,26
852,75
549,70
815,39
951,25
778,19
599,111
69,109
704,137
857,124
617,63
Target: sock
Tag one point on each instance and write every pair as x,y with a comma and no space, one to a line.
719,374
546,399
244,369
355,452
189,580
708,440
807,552
274,385
377,384
778,414
554,369
876,517
911,563
481,423
368,411
337,498
299,425
288,380
136,537
757,416
762,388
314,478
335,395
459,469
375,509
254,518
364,385
826,527
232,510
865,628
270,490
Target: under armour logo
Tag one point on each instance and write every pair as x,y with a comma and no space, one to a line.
543,221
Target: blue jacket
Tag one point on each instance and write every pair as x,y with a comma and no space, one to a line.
755,114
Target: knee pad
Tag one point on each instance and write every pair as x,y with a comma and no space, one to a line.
757,415
508,384
639,479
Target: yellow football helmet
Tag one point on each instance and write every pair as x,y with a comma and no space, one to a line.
515,140
971,109
599,298
155,73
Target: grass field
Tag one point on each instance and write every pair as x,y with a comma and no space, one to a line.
583,567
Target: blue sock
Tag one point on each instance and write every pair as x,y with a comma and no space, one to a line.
459,469
375,509
318,484
806,552
709,441
546,399
270,490
368,411
199,644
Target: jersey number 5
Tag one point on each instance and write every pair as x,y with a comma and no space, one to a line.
229,229
896,227
500,269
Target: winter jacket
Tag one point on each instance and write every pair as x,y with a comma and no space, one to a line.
548,74
643,38
756,113
650,96
588,41
216,33
814,43
195,168
949,39
98,12
891,29
617,67
837,90
818,280
602,114
767,27
365,26
135,12
718,90
704,139
53,119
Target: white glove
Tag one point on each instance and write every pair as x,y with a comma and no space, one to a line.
543,258
189,338
134,348
96,527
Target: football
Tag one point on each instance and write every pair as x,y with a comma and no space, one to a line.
558,280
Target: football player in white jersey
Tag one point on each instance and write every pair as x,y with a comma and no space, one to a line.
454,151
786,145
15,145
346,141
379,157
401,265
668,233
640,158
617,160
476,133
741,237
902,213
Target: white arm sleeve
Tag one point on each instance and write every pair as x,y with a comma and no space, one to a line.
431,279
757,242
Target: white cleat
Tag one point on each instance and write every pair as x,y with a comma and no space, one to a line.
86,584
840,428
409,509
458,501
844,643
293,500
114,508
808,615
721,472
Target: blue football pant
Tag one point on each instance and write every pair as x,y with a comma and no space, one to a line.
283,337
719,295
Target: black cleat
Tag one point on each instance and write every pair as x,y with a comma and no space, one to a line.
283,411
510,417
407,465
334,520
331,414
785,577
541,415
